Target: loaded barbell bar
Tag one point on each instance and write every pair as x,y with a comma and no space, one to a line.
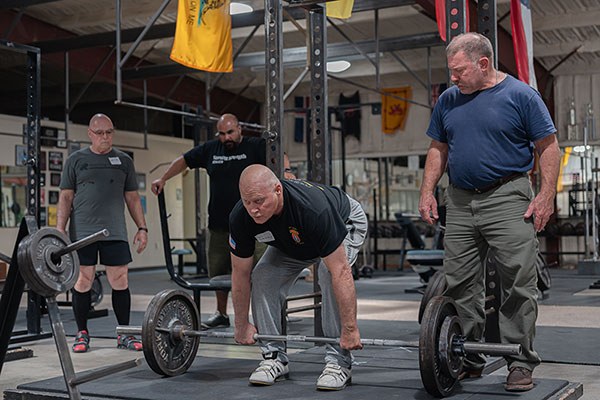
80,244
170,333
460,347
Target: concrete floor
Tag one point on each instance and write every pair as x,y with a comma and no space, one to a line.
392,305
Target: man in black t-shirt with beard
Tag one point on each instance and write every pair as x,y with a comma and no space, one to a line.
302,223
224,160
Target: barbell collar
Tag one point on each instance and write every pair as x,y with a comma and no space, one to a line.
80,244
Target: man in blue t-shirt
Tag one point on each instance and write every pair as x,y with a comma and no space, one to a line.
302,223
484,131
224,160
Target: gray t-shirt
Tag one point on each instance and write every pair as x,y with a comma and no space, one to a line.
100,182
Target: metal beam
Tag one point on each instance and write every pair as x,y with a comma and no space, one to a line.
6,4
168,30
298,55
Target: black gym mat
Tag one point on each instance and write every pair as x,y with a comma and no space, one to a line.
218,378
567,345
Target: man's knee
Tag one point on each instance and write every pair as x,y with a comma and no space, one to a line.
117,277
85,278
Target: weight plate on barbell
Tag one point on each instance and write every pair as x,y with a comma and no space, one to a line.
164,352
436,380
451,331
435,287
43,274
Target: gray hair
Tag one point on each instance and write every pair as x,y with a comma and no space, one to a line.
474,45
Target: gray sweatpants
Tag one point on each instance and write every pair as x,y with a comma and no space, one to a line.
275,274
494,220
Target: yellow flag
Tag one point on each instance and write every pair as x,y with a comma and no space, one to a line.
203,35
340,9
394,110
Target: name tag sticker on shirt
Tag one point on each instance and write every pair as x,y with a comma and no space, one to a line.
114,160
265,237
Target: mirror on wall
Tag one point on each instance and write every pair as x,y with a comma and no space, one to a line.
13,199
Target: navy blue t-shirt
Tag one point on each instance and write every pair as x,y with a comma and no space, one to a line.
312,223
489,133
224,168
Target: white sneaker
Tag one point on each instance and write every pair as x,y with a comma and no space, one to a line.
268,372
334,377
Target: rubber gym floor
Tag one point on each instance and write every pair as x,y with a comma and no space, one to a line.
567,340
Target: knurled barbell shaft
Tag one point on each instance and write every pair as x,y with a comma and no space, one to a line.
80,243
469,347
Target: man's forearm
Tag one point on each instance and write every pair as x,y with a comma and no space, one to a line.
240,292
63,212
435,165
134,205
176,167
345,294
549,167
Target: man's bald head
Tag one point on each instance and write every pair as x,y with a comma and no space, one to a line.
229,131
261,192
100,121
257,175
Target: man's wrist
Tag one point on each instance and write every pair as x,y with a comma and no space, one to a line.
143,228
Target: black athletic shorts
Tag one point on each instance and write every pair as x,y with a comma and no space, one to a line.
112,253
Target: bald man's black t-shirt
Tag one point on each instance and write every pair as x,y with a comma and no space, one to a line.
224,168
312,223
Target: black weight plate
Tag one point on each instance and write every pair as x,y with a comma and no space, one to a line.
436,380
435,287
543,273
165,353
450,361
43,275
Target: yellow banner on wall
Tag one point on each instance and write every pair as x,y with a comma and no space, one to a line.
340,9
203,35
394,110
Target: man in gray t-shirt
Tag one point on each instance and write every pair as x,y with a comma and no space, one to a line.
95,185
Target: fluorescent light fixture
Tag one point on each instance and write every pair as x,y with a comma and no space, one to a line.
337,66
239,8
581,149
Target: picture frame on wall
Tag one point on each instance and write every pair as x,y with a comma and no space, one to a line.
52,215
141,181
43,216
20,155
43,163
48,136
55,179
55,160
52,197
73,146
61,139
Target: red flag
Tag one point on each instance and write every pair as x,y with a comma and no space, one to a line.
522,33
440,17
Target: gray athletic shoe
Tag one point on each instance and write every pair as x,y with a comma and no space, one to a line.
268,372
217,320
334,377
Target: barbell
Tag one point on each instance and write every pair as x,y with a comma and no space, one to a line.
171,339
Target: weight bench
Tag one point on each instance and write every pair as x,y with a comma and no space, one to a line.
180,253
222,282
425,262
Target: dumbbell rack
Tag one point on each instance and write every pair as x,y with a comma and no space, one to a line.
14,288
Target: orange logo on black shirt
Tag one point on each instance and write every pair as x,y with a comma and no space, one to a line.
295,235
